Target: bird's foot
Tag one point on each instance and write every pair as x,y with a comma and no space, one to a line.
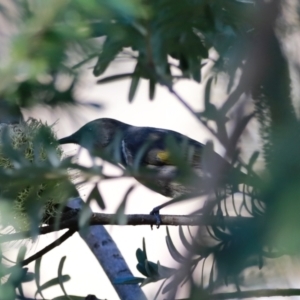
155,213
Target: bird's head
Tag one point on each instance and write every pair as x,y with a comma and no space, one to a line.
96,135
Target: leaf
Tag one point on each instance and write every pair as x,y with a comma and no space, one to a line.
37,268
211,277
95,195
17,276
21,254
144,247
120,213
253,159
112,78
196,73
60,276
70,297
128,280
110,49
159,290
133,87
207,92
152,269
29,276
220,234
84,217
140,255
165,272
184,241
84,61
173,251
51,283
141,268
151,89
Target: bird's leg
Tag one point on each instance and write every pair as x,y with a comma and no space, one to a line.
155,210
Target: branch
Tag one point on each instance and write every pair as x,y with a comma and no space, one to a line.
45,250
48,248
109,256
133,220
252,294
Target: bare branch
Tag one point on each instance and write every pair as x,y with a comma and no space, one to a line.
45,250
251,294
134,220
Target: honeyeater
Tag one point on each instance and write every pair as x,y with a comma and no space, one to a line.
166,153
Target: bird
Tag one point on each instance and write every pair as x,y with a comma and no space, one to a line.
171,158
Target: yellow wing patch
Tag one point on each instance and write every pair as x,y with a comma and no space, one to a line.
163,156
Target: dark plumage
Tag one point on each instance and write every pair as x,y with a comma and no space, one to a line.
151,148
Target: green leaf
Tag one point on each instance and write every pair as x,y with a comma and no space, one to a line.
112,78
37,268
144,248
84,217
129,280
120,213
253,159
51,283
72,297
110,49
17,276
207,91
151,89
21,253
60,276
220,234
173,251
184,241
141,256
29,276
165,272
95,195
141,268
152,269
133,87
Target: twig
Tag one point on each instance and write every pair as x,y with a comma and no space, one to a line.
112,219
48,248
251,294
42,252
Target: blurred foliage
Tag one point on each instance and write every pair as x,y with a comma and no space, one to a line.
24,148
168,41
49,32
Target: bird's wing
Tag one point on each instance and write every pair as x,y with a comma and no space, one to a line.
153,149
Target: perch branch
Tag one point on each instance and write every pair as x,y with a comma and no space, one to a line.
134,220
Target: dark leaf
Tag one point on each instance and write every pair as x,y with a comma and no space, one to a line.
120,212
184,241
151,89
129,280
37,268
60,276
133,87
173,251
21,254
72,297
113,78
110,49
95,195
51,283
